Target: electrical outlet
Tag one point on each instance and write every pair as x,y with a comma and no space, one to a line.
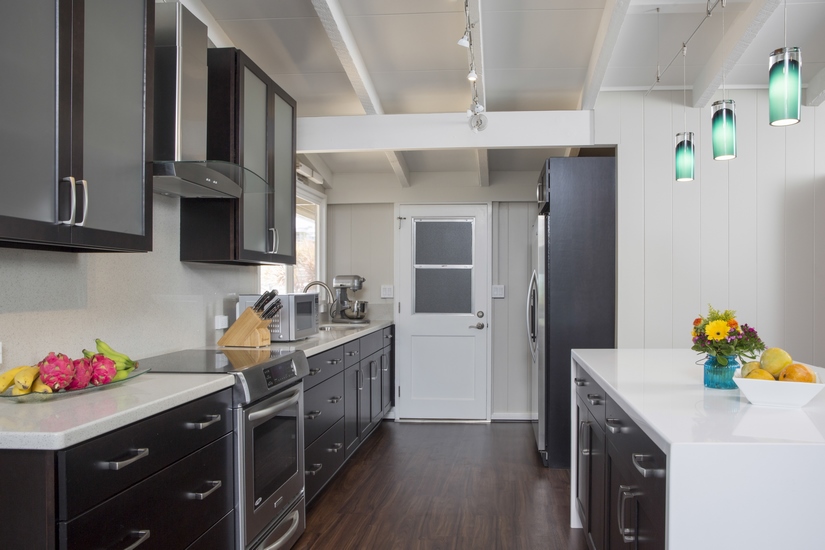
498,291
386,291
221,321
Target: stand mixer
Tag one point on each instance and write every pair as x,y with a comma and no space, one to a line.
345,310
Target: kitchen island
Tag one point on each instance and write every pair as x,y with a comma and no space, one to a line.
736,475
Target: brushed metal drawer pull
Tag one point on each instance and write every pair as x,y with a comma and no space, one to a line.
295,518
313,372
335,447
614,425
335,398
580,381
594,398
582,425
333,361
312,415
142,535
213,418
626,493
200,496
352,353
117,465
647,472
315,469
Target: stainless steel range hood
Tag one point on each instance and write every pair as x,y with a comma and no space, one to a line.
181,79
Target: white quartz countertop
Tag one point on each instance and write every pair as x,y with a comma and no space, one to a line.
66,420
328,339
663,391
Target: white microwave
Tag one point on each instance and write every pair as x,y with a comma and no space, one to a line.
297,319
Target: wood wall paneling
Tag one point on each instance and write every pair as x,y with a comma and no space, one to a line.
686,245
658,216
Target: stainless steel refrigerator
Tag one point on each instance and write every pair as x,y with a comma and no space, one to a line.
571,300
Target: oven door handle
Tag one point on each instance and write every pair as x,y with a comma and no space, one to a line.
277,407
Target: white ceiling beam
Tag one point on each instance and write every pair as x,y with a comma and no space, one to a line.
444,131
613,18
399,166
736,40
816,89
483,168
321,167
335,24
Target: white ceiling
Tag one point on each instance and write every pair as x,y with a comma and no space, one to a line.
397,57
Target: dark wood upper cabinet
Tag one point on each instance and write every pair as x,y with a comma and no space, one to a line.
75,124
251,122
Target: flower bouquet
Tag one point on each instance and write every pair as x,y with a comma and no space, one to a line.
722,339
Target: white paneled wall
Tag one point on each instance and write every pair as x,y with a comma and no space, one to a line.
747,234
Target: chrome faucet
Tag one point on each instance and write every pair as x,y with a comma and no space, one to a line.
323,284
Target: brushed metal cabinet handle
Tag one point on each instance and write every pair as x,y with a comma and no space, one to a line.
142,535
117,465
200,496
614,425
646,472
213,418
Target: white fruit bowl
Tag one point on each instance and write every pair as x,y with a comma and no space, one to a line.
772,393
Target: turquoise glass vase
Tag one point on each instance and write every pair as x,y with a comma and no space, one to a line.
720,377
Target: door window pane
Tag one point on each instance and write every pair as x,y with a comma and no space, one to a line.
443,290
443,242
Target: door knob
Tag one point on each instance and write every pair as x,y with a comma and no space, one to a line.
479,326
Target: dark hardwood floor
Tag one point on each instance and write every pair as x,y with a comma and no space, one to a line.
444,486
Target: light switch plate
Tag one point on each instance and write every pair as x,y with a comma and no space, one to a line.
386,291
498,291
221,321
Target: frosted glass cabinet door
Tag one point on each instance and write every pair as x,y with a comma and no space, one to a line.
28,121
114,111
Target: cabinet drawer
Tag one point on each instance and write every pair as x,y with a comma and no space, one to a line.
388,336
323,406
591,393
174,507
97,469
636,454
324,365
323,458
352,353
372,342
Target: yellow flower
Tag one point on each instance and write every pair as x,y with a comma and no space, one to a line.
717,330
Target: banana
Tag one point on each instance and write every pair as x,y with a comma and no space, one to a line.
122,373
24,379
7,378
40,387
122,361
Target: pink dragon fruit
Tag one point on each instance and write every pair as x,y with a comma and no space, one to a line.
103,369
82,374
56,370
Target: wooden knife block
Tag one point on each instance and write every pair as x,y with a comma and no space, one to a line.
249,331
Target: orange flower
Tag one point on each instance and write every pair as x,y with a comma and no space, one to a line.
697,321
733,323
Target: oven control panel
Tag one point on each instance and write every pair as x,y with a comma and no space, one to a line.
278,374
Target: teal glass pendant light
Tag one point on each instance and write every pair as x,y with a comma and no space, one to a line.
685,156
785,82
723,129
785,87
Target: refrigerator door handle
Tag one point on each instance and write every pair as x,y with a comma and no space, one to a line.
531,315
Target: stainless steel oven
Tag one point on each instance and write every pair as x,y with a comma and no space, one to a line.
271,465
268,412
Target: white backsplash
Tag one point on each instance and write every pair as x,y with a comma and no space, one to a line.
143,304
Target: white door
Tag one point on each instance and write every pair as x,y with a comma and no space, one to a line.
442,323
